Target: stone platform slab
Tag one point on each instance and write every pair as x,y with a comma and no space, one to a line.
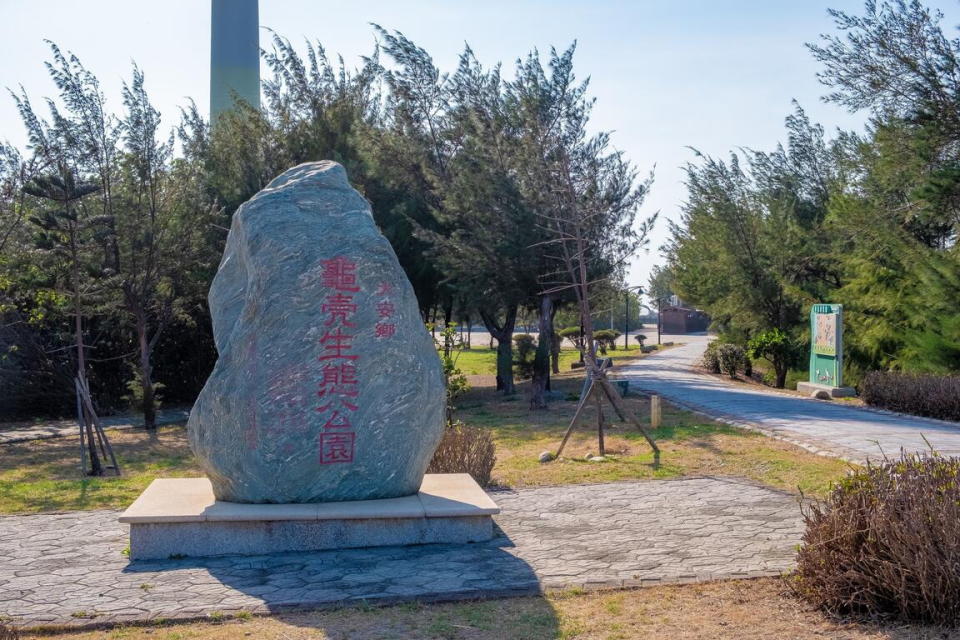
814,390
70,569
177,517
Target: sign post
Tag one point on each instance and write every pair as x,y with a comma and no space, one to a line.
826,353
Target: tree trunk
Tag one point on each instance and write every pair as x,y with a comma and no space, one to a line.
556,344
447,314
469,329
77,305
781,370
96,468
146,376
78,336
504,336
581,344
541,362
505,366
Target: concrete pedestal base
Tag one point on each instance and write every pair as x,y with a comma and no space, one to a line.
180,517
815,390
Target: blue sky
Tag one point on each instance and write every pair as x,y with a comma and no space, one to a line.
668,75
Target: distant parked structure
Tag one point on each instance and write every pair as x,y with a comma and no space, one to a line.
676,319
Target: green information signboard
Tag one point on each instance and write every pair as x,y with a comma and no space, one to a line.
826,338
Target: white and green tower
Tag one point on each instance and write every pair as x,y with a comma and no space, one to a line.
234,54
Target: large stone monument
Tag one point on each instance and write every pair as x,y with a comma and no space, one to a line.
328,386
826,353
327,400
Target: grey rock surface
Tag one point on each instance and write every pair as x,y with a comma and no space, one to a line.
327,386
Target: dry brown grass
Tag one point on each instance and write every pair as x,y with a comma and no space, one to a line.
744,610
8,633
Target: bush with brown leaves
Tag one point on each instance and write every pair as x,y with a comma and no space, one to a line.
465,449
886,543
921,395
8,633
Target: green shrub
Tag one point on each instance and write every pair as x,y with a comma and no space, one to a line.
711,358
606,339
796,375
524,355
922,395
778,349
640,338
886,542
134,396
732,359
465,449
450,346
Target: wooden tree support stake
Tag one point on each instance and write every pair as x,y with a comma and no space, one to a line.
598,387
600,424
92,436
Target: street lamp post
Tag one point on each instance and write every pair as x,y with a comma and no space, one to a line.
659,322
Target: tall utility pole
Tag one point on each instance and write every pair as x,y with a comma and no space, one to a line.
234,54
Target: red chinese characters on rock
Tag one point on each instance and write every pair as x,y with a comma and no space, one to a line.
339,387
339,383
340,273
385,328
336,447
339,307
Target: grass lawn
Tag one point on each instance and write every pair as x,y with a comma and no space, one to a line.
482,361
43,475
760,609
690,445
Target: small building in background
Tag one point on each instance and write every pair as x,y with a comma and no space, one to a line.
678,320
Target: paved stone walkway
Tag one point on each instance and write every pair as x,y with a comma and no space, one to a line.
69,569
822,426
23,431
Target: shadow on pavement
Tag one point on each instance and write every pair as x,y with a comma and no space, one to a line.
350,577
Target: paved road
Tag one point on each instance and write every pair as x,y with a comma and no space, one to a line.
69,569
824,426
